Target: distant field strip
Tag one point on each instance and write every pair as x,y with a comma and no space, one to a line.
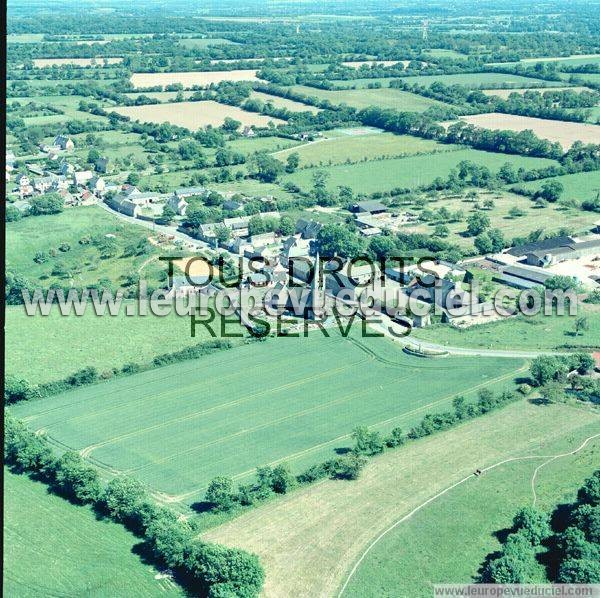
566,133
287,399
191,78
99,61
194,115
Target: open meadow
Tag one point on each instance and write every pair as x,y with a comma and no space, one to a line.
385,97
340,149
191,79
194,115
280,102
566,133
55,548
422,550
580,186
177,427
342,518
411,172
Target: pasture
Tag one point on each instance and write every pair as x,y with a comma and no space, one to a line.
177,427
362,98
192,78
411,172
72,343
327,526
99,61
565,133
69,248
55,548
534,333
422,551
362,147
200,43
579,186
194,115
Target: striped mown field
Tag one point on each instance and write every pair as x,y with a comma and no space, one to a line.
287,399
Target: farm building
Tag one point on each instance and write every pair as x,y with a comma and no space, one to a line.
369,207
568,251
177,204
522,277
537,246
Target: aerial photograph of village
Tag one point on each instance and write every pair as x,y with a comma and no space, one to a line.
302,298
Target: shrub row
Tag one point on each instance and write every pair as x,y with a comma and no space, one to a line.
203,569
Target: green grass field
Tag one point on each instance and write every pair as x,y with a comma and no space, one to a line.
81,265
361,98
288,399
448,540
579,186
362,147
411,172
54,548
72,343
527,333
480,80
201,43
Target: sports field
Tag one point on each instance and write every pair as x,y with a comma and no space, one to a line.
189,79
327,527
411,172
362,147
54,548
287,399
361,98
194,115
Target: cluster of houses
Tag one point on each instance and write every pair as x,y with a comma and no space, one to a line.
76,186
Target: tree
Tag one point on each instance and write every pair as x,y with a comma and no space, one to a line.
581,324
93,156
222,233
123,496
168,213
282,479
231,125
12,214
589,493
533,524
349,466
221,493
550,191
133,178
546,368
366,442
265,168
77,480
477,223
286,226
292,162
49,203
335,239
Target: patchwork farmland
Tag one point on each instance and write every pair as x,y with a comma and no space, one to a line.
177,427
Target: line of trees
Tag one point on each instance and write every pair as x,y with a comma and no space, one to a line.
203,569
